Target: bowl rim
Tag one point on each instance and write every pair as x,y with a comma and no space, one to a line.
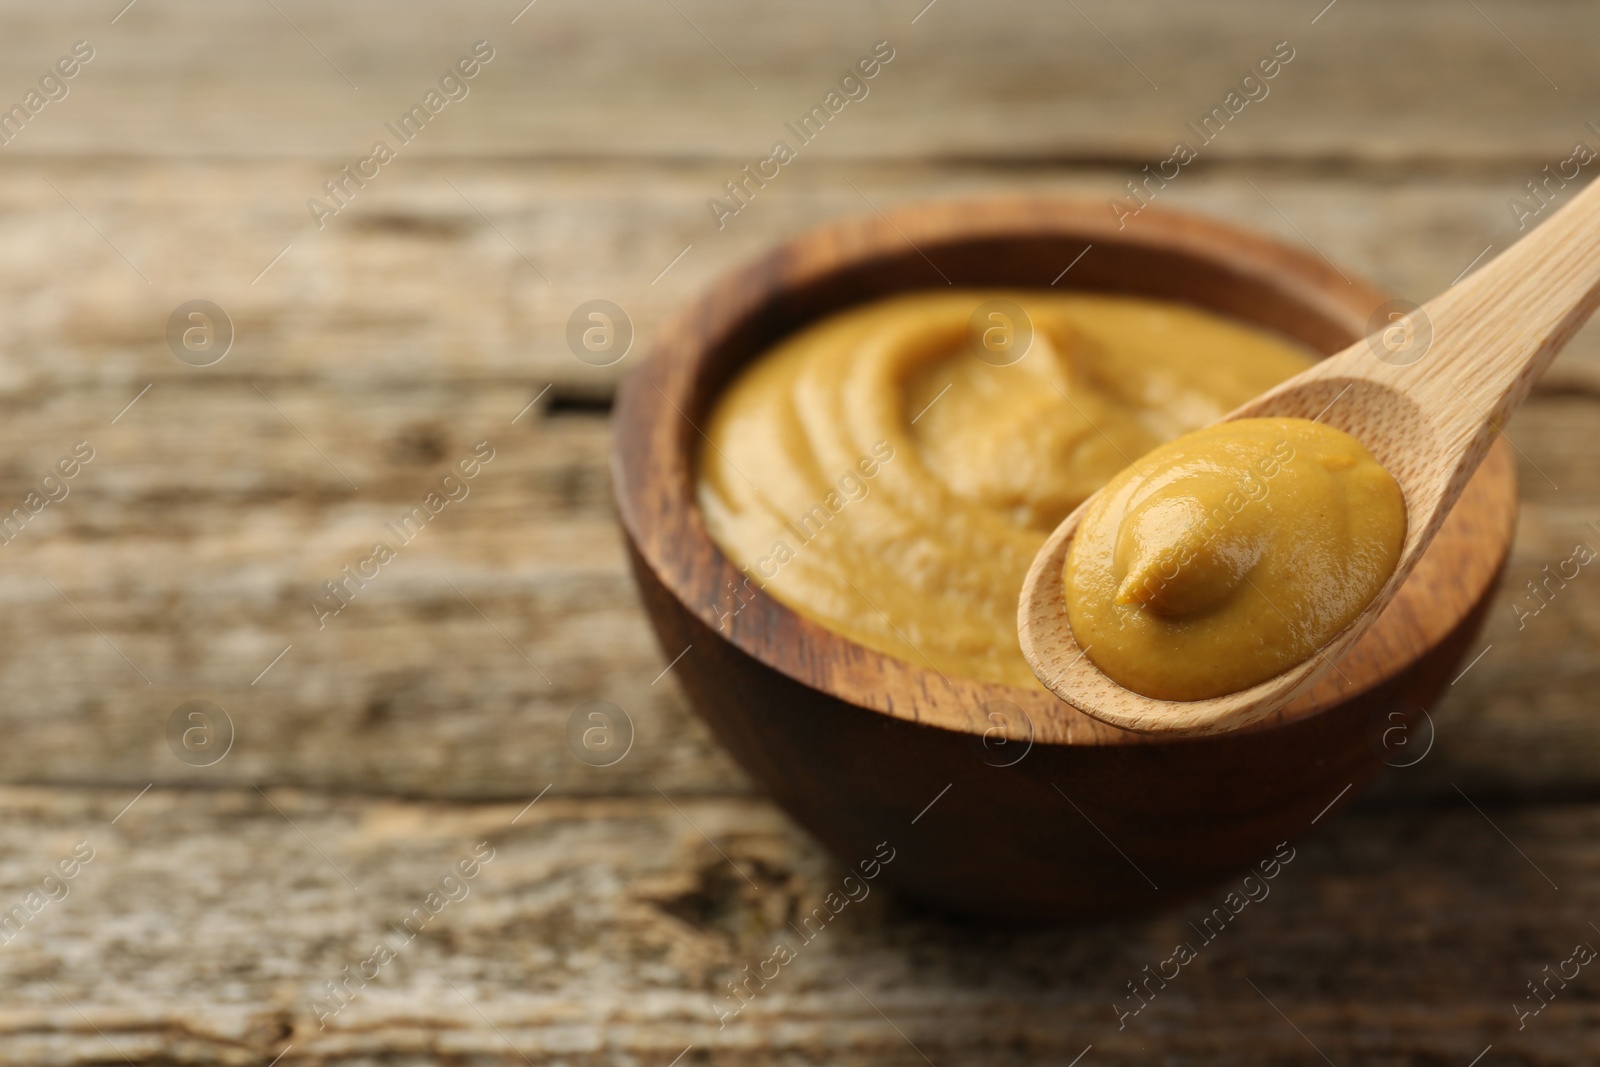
656,437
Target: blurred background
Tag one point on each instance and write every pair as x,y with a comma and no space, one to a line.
267,786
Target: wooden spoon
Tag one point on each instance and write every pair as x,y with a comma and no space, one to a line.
1426,395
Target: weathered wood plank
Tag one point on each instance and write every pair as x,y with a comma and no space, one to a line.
603,932
1001,80
197,541
411,283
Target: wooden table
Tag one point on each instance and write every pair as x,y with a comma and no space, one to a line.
369,356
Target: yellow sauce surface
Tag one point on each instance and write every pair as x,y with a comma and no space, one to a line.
1227,556
884,476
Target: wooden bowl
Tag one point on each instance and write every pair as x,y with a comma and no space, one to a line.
1000,801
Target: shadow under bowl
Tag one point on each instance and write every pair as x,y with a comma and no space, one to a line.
999,801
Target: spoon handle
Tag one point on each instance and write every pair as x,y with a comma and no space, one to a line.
1494,334
1464,362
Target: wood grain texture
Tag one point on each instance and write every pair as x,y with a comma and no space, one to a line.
1104,81
411,285
604,931
413,325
